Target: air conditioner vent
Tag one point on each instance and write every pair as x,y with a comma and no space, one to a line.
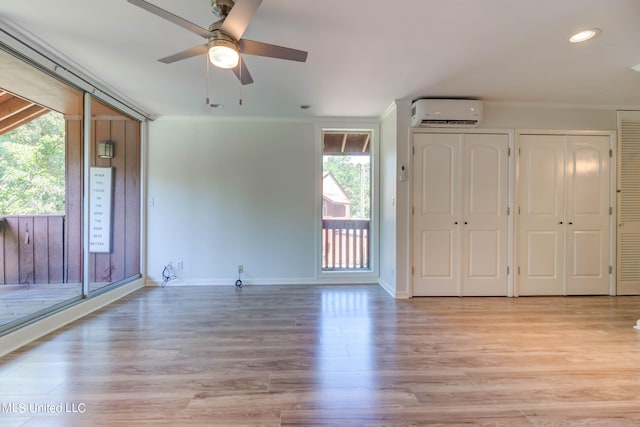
446,113
465,123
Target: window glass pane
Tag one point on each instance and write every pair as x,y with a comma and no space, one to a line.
346,200
40,205
114,201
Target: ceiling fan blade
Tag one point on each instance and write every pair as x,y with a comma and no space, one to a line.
242,73
251,47
171,17
197,50
238,19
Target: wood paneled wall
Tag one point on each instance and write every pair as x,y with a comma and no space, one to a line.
124,260
73,199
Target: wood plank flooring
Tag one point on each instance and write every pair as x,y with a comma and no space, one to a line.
331,356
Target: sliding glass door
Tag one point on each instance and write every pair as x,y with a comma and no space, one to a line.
70,194
40,233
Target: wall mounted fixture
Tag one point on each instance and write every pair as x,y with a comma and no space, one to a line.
106,149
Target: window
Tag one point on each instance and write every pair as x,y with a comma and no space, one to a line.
346,200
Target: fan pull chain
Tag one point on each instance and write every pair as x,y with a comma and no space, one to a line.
206,59
240,73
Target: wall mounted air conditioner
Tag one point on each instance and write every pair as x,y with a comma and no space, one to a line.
446,113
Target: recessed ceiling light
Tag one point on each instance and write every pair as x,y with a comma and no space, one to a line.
305,107
636,68
585,35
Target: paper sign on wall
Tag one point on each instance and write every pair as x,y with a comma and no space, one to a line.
100,209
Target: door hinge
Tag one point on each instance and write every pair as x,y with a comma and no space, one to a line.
413,150
508,270
611,153
413,210
610,269
518,271
508,211
413,271
610,210
518,210
509,151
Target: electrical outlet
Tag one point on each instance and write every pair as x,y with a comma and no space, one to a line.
240,268
180,265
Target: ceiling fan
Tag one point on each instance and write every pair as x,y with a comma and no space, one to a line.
224,43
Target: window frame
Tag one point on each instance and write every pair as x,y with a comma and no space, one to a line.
370,275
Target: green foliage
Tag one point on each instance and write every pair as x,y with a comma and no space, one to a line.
32,168
353,176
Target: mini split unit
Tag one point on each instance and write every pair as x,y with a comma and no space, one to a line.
446,113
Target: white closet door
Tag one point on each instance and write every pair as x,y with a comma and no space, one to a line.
563,225
460,222
540,222
485,220
587,215
436,228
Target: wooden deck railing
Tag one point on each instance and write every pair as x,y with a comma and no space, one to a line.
31,249
345,244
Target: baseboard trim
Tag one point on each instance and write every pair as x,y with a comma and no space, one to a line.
387,287
31,332
265,281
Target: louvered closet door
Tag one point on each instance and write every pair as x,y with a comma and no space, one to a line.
628,271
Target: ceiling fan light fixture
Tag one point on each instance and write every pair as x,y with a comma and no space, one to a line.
224,53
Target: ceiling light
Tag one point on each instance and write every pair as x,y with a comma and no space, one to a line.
223,53
583,36
636,68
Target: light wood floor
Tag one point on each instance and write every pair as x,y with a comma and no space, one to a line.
339,355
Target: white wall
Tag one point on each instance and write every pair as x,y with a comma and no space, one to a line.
237,191
388,198
223,193
523,116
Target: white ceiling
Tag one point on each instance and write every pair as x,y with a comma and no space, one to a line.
363,54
